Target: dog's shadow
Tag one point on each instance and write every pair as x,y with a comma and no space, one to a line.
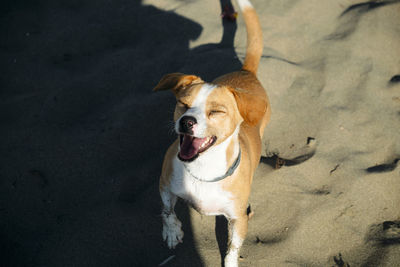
90,133
221,233
212,60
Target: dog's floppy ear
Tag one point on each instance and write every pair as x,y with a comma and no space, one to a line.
176,82
252,106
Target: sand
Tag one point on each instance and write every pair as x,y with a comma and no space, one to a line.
83,135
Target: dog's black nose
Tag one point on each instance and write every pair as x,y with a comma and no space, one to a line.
186,124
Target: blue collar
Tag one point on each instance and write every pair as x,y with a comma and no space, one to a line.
229,172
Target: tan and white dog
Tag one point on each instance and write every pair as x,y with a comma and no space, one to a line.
220,126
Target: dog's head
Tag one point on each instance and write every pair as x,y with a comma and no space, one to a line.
206,114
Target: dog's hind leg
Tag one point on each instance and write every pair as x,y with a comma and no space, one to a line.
172,232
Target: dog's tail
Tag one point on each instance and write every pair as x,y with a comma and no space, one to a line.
254,36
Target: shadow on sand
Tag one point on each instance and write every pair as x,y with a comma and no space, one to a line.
86,135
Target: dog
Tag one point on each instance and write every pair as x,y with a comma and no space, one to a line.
220,126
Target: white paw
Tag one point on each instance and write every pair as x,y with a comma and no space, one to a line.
231,259
172,233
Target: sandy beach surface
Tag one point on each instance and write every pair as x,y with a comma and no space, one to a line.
83,135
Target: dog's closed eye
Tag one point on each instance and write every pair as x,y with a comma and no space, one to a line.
216,112
216,109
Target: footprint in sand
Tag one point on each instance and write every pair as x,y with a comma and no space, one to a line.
395,79
387,232
385,167
339,262
277,162
350,17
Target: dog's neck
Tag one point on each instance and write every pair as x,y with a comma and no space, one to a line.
215,162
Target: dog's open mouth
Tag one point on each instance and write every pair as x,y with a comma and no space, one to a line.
192,146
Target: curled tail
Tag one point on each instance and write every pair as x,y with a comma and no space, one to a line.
254,46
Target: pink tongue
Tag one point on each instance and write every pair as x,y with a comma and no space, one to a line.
190,146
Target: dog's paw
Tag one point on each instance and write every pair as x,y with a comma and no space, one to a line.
172,233
231,260
232,257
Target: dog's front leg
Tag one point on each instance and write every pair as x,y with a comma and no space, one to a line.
237,233
172,232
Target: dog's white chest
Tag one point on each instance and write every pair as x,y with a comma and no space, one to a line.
208,198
